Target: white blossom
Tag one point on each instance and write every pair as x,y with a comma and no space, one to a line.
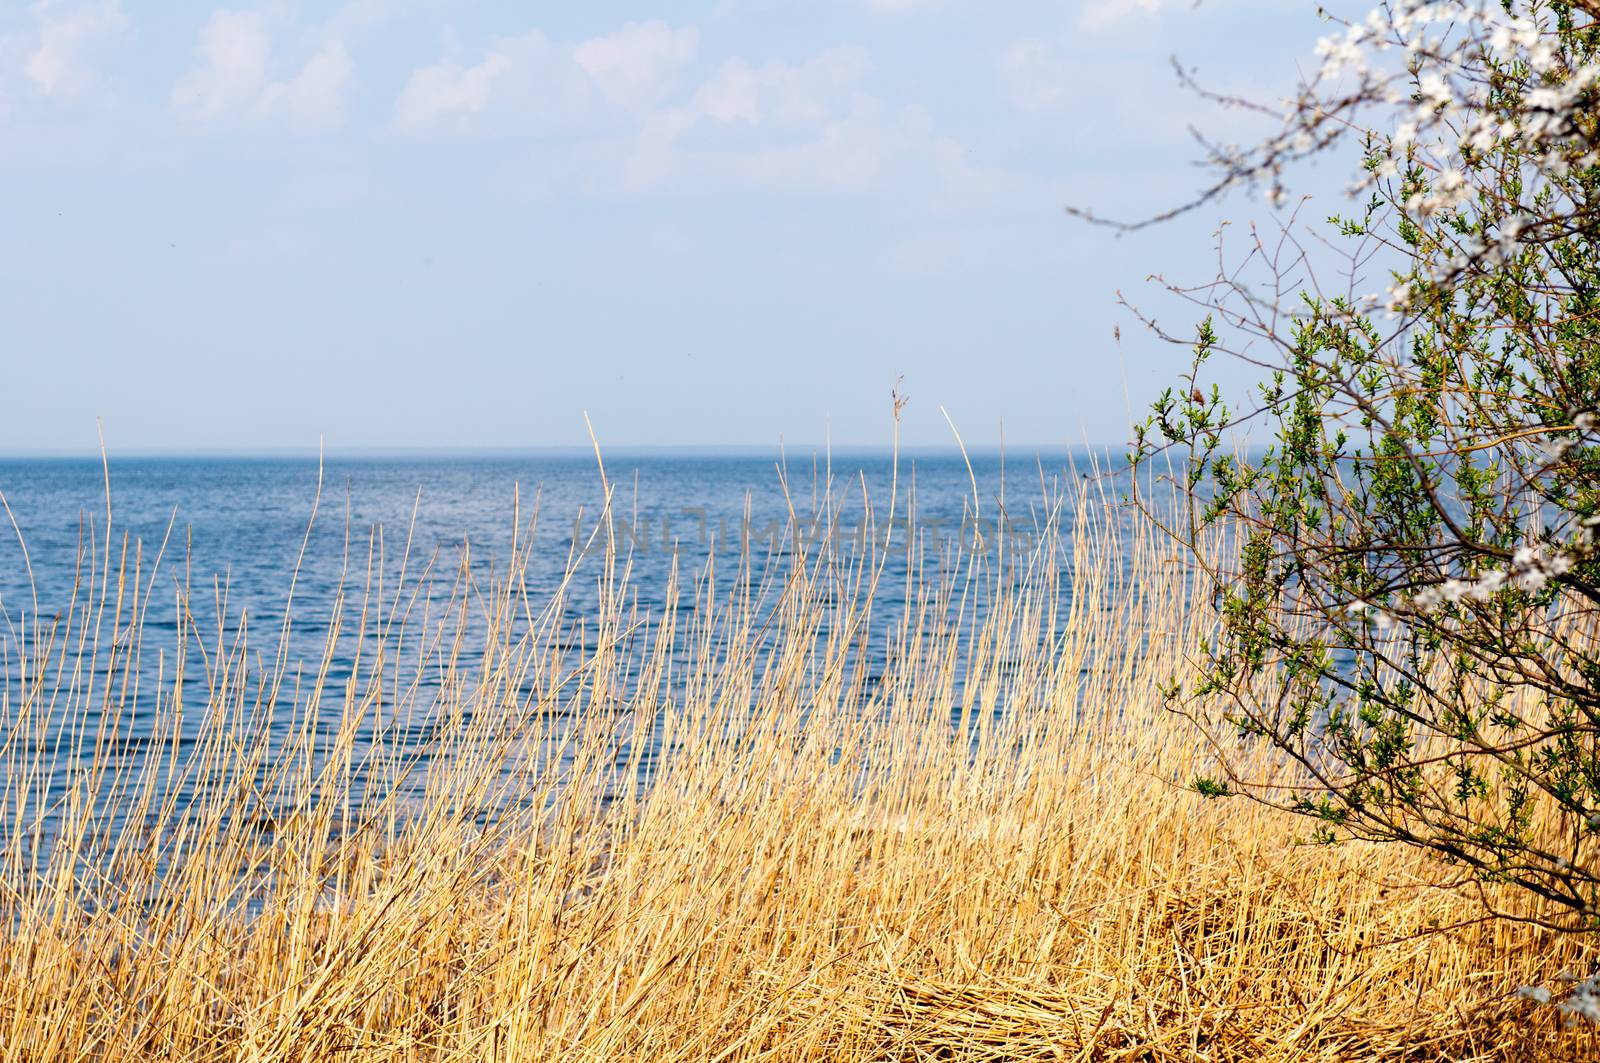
1583,1001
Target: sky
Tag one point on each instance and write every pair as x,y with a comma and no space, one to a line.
418,224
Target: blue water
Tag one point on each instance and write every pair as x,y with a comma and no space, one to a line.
242,520
235,530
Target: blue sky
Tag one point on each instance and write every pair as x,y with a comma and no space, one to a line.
410,223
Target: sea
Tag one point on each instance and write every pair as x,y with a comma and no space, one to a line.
247,524
232,536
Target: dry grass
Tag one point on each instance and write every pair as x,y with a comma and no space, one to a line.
821,866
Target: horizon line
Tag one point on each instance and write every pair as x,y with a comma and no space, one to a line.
555,450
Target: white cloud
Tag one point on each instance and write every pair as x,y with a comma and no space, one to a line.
235,48
314,98
59,58
438,95
637,67
852,144
1101,13
616,116
519,77
782,93
234,81
849,152
779,126
527,79
1038,77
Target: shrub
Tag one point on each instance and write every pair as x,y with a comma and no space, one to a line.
1411,617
